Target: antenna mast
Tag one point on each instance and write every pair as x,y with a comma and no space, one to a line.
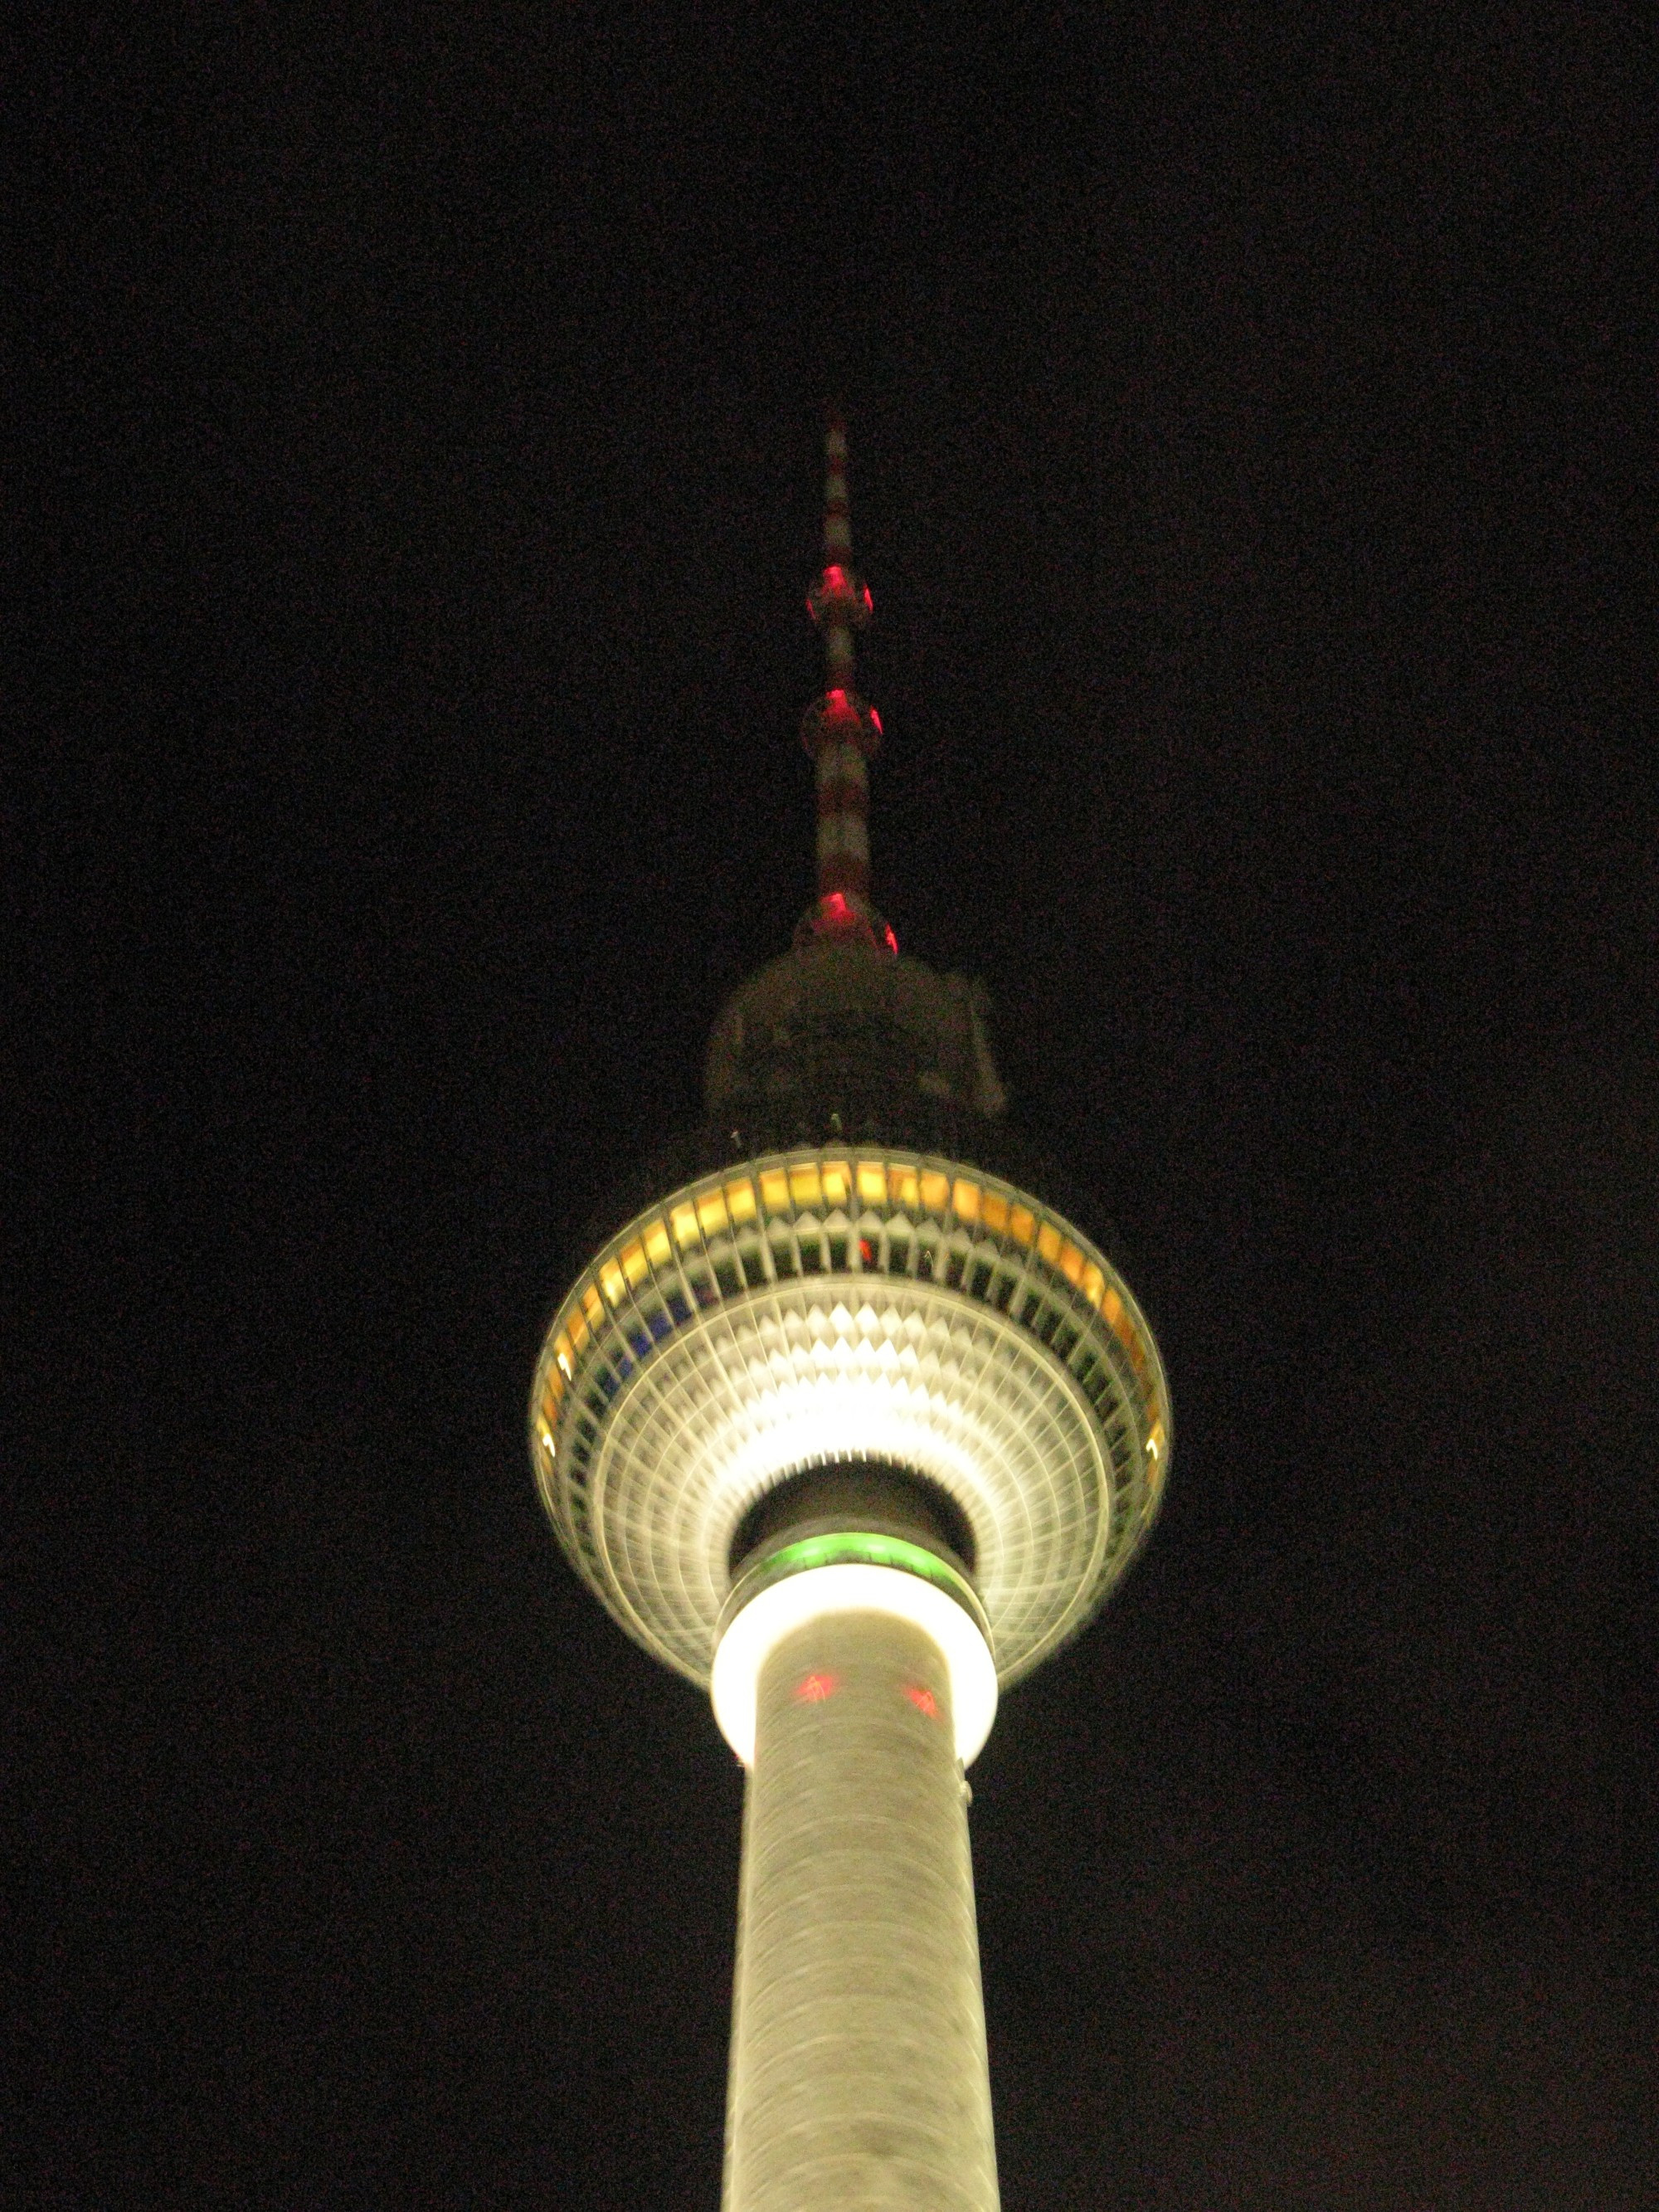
839,730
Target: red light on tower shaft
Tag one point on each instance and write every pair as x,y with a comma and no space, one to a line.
923,1699
812,1689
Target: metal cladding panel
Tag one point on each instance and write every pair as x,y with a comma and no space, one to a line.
859,2080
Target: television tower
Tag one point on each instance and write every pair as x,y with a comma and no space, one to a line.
850,1426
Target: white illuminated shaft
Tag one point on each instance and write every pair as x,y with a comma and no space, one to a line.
858,2081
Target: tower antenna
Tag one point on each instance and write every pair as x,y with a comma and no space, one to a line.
841,731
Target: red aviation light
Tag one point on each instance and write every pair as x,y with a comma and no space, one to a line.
839,598
812,1689
924,1700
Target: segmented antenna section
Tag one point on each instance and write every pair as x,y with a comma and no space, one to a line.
839,730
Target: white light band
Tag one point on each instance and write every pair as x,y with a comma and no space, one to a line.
778,1611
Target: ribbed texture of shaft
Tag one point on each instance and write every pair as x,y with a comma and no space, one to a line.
858,2079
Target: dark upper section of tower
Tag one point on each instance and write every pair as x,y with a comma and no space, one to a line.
837,1025
842,1024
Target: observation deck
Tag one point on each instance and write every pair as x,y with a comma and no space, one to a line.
858,1280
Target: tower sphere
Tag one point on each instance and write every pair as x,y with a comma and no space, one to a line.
849,1264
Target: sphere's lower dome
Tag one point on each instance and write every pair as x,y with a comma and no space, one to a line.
814,1308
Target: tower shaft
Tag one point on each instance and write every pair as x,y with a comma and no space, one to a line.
858,2081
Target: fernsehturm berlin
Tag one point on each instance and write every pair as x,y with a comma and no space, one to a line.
848,1425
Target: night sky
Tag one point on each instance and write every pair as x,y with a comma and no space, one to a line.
1251,414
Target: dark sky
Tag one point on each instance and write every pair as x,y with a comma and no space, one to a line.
1251,413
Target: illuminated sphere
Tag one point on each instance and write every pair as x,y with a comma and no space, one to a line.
848,1267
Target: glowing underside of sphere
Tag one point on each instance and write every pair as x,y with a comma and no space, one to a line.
817,1306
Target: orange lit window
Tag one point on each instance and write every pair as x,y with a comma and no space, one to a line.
740,1197
633,1262
872,1182
994,1211
1049,1244
1070,1264
711,1213
592,1306
966,1200
774,1191
1022,1225
615,1288
1094,1286
901,1182
684,1220
805,1187
656,1244
578,1326
935,1192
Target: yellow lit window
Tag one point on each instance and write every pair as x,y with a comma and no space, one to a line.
562,1354
995,1212
740,1197
774,1191
633,1262
837,1182
1070,1264
578,1325
1112,1307
1049,1244
902,1184
656,1244
1094,1286
592,1306
615,1288
711,1212
965,1199
935,1191
805,1187
684,1220
872,1182
1022,1225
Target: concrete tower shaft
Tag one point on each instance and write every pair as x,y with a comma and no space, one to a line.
859,2075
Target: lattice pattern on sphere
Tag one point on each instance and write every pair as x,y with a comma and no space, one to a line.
814,1307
